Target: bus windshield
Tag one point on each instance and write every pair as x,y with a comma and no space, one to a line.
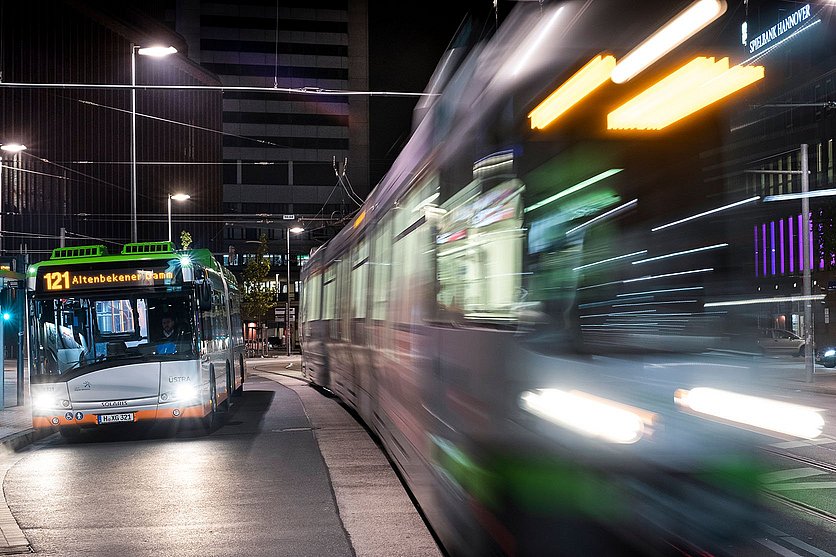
73,335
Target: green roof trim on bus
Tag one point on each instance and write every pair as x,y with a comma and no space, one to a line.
79,251
147,247
145,251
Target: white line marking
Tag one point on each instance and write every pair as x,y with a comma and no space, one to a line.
803,485
791,474
799,444
779,549
807,547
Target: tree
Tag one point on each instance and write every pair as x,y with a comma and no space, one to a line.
185,239
258,298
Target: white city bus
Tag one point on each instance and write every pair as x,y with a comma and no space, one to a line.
148,334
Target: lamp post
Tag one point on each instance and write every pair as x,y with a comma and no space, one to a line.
175,197
294,230
158,52
13,148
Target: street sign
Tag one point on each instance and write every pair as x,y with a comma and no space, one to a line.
288,217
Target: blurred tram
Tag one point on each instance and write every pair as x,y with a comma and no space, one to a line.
535,310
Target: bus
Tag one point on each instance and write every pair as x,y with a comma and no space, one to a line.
148,334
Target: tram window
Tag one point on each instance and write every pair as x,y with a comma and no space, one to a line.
313,297
344,305
381,266
359,279
330,298
411,253
479,252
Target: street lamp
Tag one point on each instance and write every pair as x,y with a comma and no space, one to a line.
294,230
175,197
158,52
13,148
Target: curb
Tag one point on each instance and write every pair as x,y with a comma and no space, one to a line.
17,441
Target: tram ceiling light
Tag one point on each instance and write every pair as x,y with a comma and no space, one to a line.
745,410
672,34
589,415
591,76
156,51
697,84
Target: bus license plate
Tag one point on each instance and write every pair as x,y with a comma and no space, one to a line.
113,418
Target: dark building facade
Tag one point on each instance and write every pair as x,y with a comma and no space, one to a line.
280,148
74,178
283,151
794,105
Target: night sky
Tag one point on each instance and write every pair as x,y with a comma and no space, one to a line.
406,41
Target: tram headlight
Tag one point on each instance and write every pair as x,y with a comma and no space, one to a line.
752,412
589,415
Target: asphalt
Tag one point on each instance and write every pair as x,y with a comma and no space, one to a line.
16,433
366,512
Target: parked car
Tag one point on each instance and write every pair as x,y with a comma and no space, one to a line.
827,356
780,341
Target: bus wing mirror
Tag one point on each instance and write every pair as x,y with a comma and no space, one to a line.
204,294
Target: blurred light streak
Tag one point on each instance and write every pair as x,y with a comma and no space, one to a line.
426,202
359,220
706,213
686,252
599,285
577,187
609,302
589,415
777,300
762,413
618,313
609,213
616,258
791,196
493,161
535,44
665,290
595,73
654,303
672,34
697,84
651,277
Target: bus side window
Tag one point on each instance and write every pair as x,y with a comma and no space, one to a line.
206,326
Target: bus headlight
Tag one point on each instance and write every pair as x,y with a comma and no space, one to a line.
185,392
47,401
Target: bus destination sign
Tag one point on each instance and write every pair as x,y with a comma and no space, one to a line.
55,281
